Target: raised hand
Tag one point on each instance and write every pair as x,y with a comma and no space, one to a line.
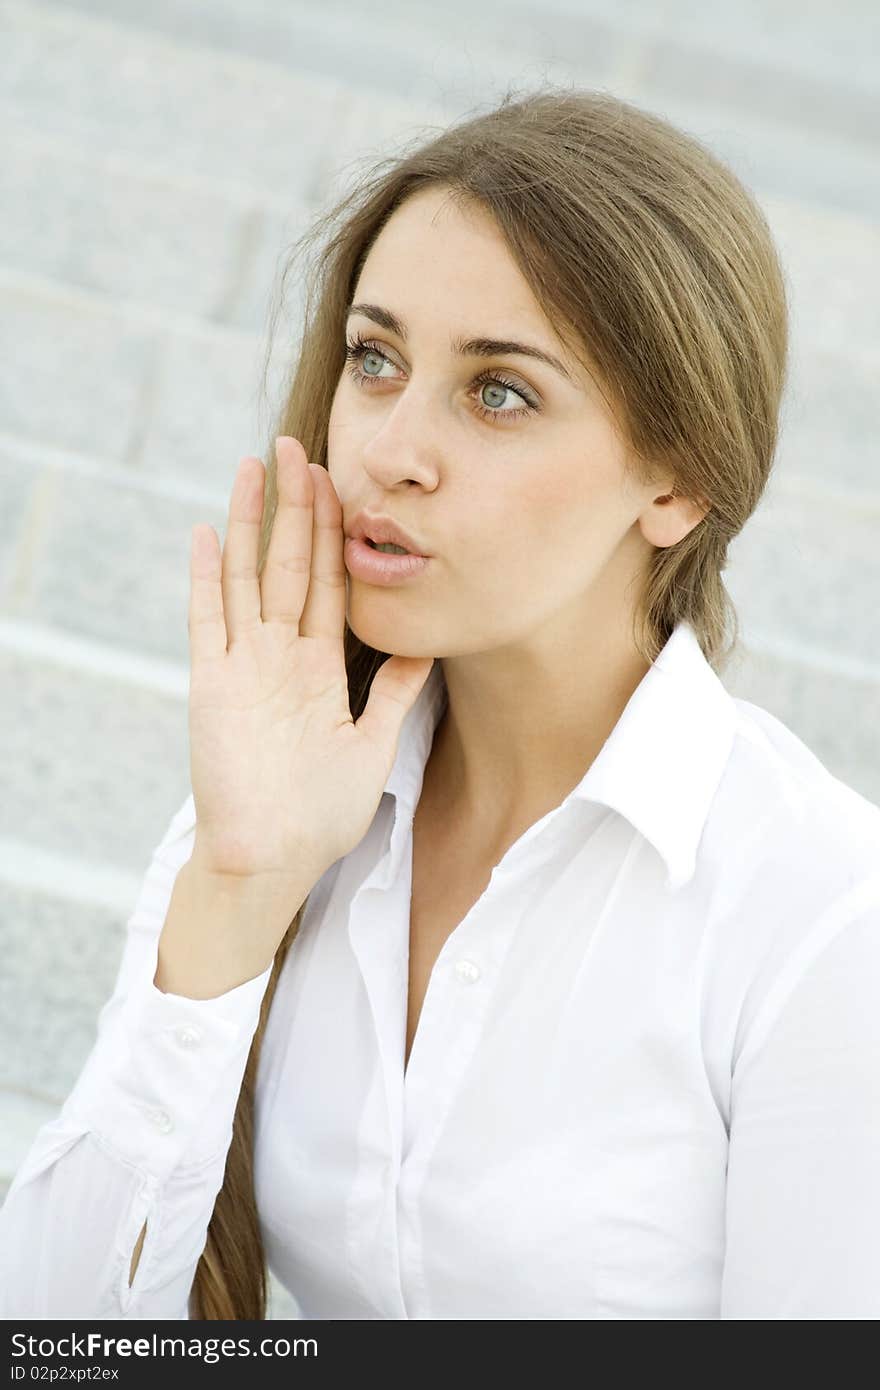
284,781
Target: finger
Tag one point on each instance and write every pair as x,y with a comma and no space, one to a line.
285,579
393,691
207,625
324,611
241,589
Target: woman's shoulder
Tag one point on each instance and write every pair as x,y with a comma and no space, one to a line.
790,861
781,813
791,858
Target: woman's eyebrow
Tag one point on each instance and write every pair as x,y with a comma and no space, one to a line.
465,347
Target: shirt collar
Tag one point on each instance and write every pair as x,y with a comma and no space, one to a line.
659,767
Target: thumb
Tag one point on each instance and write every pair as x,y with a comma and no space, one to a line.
394,690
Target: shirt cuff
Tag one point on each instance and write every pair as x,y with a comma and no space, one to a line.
161,1085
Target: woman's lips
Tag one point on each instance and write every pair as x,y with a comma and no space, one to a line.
378,567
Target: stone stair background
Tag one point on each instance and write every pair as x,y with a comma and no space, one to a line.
157,161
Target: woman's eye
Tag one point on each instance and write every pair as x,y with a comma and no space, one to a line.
499,389
367,355
364,362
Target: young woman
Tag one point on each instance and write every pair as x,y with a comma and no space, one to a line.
501,964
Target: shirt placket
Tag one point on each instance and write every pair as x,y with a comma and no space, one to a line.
451,1021
378,929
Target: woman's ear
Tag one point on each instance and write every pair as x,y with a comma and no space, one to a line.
668,517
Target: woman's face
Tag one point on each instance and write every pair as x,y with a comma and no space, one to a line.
508,472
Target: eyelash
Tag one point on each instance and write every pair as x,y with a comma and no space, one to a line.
356,347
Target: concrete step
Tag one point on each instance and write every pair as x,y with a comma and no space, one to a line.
771,49
126,232
792,101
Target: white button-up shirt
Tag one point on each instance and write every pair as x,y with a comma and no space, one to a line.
645,1081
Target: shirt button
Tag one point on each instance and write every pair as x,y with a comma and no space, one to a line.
162,1120
188,1036
466,970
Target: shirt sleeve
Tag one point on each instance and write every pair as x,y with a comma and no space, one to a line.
142,1137
803,1196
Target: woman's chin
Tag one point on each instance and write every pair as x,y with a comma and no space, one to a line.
385,631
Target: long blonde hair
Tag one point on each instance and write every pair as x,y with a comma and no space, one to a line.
645,247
